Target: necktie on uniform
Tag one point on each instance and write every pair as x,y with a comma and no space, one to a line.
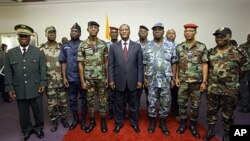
24,50
125,51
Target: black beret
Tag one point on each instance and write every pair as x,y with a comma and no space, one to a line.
223,31
90,23
143,27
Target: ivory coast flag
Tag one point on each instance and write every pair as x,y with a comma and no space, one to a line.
107,28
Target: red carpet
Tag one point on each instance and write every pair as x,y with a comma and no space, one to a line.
128,134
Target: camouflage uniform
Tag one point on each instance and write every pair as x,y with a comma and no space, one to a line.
158,61
190,76
56,93
93,58
244,88
223,83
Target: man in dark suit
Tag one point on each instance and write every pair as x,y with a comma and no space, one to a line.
25,81
125,73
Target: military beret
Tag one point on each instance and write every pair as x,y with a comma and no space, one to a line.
50,28
22,29
90,23
112,27
76,26
190,25
223,31
158,25
143,27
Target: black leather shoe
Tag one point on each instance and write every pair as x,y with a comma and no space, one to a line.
117,129
136,129
83,125
26,136
73,124
65,123
54,126
40,134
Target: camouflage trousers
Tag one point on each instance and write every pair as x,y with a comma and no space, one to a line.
96,87
57,103
192,91
161,95
227,105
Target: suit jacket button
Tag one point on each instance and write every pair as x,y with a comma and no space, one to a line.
25,81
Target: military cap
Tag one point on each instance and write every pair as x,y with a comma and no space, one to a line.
22,29
190,25
158,25
50,28
76,26
90,23
112,27
223,31
143,27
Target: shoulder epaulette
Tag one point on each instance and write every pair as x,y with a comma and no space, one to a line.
200,43
41,45
240,50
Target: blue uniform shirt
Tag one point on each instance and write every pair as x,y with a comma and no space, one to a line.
158,61
68,55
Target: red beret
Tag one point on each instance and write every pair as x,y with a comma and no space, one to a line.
190,25
112,27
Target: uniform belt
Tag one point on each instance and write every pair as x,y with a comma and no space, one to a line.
191,80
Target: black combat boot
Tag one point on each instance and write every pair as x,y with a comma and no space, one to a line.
54,125
104,127
194,130
225,138
163,126
210,133
83,120
182,127
151,128
91,125
65,123
75,121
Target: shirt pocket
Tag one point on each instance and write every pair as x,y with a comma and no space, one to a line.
34,60
182,58
14,64
167,54
34,64
197,57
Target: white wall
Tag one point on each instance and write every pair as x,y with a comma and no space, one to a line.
208,14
